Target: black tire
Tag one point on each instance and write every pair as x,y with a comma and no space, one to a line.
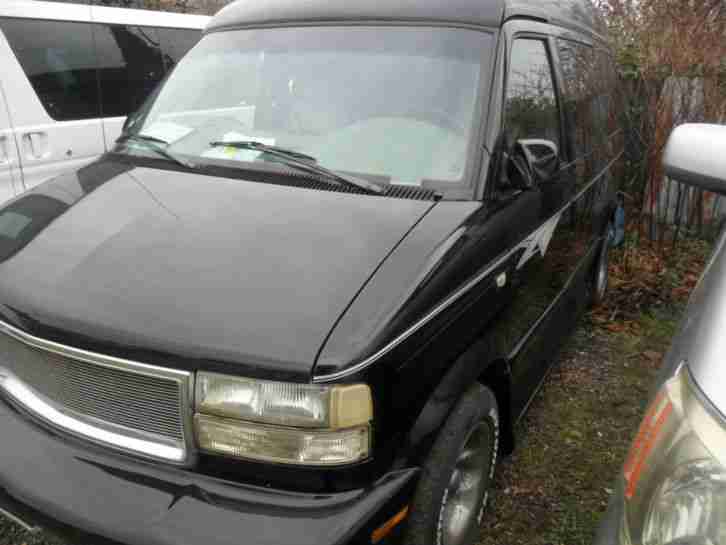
476,412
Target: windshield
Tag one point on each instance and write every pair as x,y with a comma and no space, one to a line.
397,104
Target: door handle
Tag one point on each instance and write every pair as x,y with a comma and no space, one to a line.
35,144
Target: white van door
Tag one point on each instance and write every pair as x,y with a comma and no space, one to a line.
52,93
10,184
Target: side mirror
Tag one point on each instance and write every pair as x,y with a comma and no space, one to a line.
696,155
531,162
543,157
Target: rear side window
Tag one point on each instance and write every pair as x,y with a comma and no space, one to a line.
58,59
531,102
588,86
130,64
608,86
175,43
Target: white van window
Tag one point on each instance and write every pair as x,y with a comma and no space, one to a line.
57,57
130,66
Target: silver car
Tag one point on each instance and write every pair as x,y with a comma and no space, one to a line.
672,488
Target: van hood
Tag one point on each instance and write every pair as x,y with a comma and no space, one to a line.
192,271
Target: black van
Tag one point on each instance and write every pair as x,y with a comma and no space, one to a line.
322,274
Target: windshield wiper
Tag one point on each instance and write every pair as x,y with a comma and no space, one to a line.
151,142
301,162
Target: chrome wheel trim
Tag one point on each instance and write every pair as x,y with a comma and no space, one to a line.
467,486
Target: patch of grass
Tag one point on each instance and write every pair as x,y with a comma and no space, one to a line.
659,327
573,441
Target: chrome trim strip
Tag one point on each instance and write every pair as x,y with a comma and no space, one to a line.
451,299
28,399
107,434
418,325
20,522
92,357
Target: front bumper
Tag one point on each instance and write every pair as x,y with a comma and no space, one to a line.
90,495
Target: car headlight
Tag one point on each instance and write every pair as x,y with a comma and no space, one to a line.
675,474
283,422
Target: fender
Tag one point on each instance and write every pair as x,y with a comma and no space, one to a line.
480,362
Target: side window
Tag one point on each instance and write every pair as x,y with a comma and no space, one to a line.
130,66
577,63
57,57
175,43
603,97
608,89
531,102
588,82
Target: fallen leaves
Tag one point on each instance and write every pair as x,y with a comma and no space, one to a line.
643,279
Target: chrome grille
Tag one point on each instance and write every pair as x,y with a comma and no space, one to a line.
138,402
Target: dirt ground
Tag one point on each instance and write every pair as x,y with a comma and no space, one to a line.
555,487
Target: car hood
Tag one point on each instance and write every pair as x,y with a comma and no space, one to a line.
178,268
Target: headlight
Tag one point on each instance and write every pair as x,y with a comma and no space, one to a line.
675,476
283,422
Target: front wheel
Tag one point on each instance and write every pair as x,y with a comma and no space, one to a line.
454,488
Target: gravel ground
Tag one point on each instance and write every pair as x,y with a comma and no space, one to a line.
555,487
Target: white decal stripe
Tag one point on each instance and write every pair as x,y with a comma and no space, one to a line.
539,241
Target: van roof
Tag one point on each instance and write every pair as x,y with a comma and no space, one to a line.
578,15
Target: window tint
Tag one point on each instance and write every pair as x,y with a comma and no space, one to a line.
57,57
130,66
175,43
588,85
531,102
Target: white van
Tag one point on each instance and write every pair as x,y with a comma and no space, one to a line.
69,76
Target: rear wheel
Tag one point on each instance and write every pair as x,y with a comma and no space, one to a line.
454,488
